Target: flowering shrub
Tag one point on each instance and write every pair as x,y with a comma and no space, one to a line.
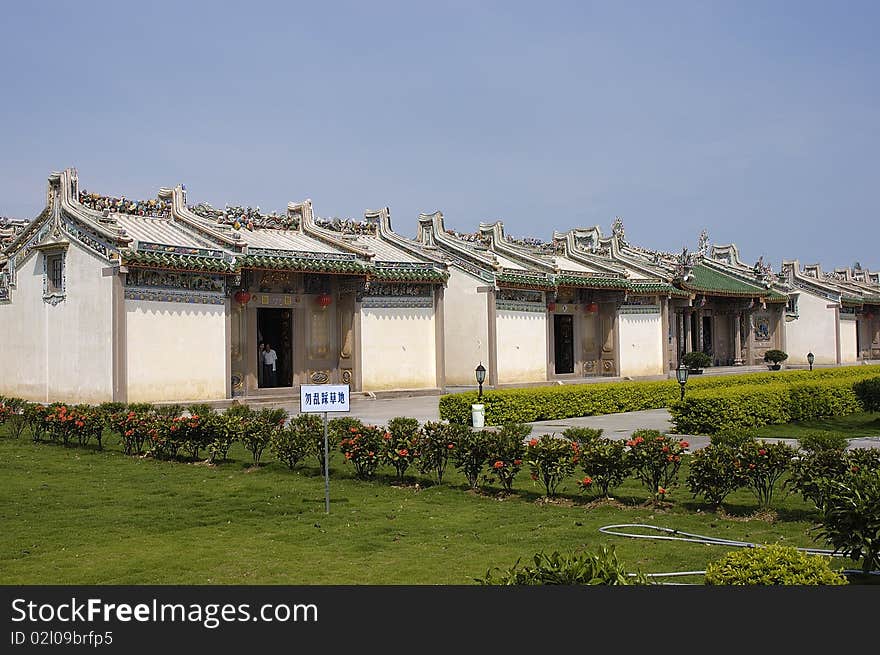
14,416
763,464
226,430
851,517
772,565
551,460
470,454
582,436
505,453
296,441
601,568
362,447
5,413
163,436
436,443
400,444
715,472
337,430
35,417
81,422
605,463
258,428
811,470
655,460
134,429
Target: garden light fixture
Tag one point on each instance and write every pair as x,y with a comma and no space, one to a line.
481,377
810,358
681,374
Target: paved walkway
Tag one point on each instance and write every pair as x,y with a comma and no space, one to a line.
615,426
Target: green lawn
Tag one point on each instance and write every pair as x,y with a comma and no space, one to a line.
79,516
863,424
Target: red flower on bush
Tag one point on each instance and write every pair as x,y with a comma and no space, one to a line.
587,481
661,490
533,442
450,446
499,464
683,444
517,462
403,452
762,451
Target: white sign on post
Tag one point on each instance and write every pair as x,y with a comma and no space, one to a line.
319,398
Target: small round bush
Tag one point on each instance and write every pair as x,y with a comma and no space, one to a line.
775,356
696,359
772,565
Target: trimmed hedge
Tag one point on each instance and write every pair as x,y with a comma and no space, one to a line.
712,411
526,405
868,392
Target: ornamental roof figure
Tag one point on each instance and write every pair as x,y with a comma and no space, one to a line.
617,230
703,243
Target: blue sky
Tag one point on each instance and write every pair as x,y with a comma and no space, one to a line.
755,120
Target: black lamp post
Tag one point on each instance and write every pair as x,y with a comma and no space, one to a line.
481,377
810,358
681,374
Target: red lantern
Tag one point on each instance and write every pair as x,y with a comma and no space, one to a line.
242,297
592,308
324,300
869,316
552,307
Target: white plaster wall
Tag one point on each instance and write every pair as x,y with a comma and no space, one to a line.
175,351
398,348
60,353
466,326
641,344
848,352
815,330
522,346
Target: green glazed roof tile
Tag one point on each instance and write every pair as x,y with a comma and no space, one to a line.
303,264
175,261
713,282
590,282
524,279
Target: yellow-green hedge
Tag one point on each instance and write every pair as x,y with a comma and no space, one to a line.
567,401
713,410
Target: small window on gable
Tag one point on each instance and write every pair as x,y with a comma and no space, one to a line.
54,279
54,272
792,306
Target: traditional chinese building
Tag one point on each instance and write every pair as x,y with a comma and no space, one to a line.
111,298
832,315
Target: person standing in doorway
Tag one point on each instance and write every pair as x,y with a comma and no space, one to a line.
270,360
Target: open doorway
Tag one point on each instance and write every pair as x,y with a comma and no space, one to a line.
707,336
274,327
563,343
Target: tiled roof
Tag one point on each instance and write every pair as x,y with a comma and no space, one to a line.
524,279
713,282
656,287
591,282
294,263
175,261
408,274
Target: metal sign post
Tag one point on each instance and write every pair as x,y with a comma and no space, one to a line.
321,399
326,468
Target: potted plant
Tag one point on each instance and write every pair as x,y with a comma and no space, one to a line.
696,361
773,357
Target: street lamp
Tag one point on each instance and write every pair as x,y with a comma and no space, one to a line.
810,358
481,377
681,374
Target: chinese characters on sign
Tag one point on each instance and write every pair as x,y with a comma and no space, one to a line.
316,398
